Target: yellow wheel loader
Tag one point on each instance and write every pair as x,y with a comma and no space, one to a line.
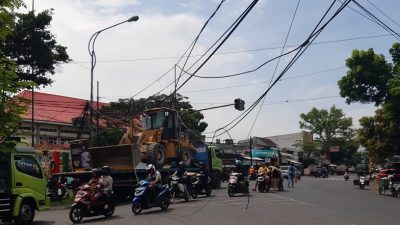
159,140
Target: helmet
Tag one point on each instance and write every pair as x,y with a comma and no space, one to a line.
96,172
202,164
181,164
238,162
150,167
106,170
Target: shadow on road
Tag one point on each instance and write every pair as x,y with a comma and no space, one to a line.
100,218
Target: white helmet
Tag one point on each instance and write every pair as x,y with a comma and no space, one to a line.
150,167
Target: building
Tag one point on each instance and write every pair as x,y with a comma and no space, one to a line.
292,143
53,118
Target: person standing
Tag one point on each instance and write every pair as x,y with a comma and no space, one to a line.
85,158
291,174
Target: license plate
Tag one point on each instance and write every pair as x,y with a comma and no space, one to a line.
59,191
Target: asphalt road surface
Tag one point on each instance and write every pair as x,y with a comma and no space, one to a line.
319,201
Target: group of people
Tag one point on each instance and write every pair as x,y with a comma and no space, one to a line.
273,173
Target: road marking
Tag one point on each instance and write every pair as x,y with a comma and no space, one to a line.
295,200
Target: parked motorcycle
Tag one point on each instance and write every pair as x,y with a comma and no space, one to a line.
237,184
263,182
201,185
346,176
178,189
84,207
144,200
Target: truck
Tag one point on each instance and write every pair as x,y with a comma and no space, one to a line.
22,184
128,169
158,141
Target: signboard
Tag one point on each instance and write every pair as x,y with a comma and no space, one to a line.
265,153
334,149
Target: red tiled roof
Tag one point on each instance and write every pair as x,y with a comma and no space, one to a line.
55,108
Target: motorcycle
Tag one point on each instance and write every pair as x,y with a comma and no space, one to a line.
394,187
263,182
84,207
201,185
143,199
237,185
178,189
346,176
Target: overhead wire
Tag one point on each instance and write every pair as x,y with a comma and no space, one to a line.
190,49
239,21
381,11
276,67
314,34
376,20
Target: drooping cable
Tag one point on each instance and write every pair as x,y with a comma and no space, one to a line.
306,44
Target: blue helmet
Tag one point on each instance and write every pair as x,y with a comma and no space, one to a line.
238,162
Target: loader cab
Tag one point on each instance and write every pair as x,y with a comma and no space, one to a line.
161,119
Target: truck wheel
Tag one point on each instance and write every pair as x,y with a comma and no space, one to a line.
217,180
156,155
26,214
186,156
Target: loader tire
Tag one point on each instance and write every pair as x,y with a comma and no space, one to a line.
156,155
186,156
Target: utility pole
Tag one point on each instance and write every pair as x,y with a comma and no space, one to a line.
97,107
251,153
33,95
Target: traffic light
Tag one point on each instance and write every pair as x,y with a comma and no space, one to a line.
239,104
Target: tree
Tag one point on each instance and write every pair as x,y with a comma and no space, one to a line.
33,48
126,108
371,79
332,128
119,115
11,107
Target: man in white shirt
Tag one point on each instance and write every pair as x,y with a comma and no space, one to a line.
85,158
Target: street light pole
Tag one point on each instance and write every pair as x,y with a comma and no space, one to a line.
92,54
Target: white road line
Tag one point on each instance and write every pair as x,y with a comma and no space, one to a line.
295,200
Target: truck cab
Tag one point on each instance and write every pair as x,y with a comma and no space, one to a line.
22,184
210,155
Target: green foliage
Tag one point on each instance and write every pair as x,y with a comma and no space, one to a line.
108,136
7,16
310,148
127,108
356,158
367,78
332,128
33,47
327,125
11,107
371,79
379,134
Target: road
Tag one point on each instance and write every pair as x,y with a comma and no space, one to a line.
312,201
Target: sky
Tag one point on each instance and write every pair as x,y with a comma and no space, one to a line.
132,55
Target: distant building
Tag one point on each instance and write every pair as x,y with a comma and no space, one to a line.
292,143
53,115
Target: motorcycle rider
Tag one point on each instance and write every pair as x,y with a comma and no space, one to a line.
106,184
154,177
262,170
205,172
95,183
180,170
